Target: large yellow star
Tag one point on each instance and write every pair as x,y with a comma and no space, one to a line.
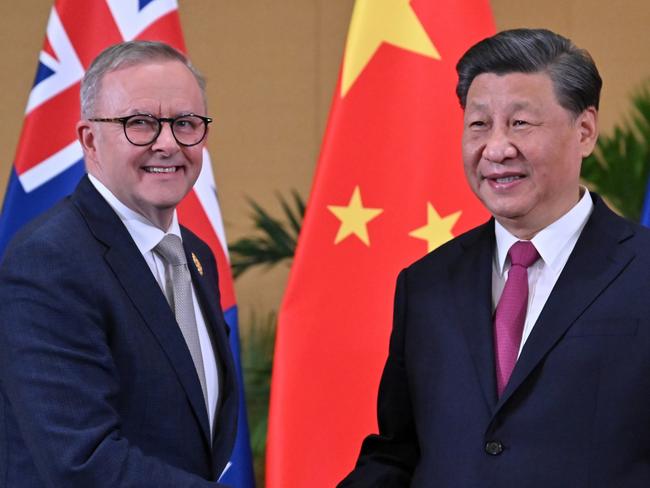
437,231
354,218
375,22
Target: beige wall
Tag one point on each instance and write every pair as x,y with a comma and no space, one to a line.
615,32
271,67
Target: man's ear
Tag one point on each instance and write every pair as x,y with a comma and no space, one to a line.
86,136
587,124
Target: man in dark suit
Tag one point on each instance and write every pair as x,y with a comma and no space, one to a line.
520,351
115,369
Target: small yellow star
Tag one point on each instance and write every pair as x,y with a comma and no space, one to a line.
437,231
354,218
375,22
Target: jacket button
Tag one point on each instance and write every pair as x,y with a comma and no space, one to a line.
494,448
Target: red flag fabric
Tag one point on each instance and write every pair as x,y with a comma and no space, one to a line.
389,187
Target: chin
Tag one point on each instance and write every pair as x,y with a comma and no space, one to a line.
506,212
508,206
170,198
167,204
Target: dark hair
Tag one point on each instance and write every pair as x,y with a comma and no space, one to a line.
574,74
124,55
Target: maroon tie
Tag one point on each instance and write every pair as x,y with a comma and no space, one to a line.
510,314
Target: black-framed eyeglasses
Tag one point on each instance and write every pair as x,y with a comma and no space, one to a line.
144,129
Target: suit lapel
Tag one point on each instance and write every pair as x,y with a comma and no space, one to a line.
131,270
206,284
471,278
596,261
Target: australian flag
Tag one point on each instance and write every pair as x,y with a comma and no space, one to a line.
49,159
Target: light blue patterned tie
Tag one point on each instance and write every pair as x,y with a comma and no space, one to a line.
179,281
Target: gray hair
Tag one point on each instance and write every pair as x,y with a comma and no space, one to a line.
124,55
576,80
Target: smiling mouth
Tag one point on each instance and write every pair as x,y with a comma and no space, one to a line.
507,179
160,169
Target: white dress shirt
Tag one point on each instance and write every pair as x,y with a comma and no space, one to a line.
146,237
554,245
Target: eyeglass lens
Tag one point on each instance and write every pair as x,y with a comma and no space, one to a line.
143,129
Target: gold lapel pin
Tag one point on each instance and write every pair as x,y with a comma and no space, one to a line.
197,263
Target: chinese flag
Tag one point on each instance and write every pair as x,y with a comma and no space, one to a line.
389,188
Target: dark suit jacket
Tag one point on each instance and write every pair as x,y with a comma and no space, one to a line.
97,386
576,412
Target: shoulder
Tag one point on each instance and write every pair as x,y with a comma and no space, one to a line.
607,223
52,262
475,240
58,229
68,224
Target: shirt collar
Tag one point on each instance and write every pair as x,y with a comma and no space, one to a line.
550,241
145,234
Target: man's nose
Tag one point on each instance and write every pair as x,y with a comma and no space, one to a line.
499,147
165,140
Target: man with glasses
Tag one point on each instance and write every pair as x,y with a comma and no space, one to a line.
115,368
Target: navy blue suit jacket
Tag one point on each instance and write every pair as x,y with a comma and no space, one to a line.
576,412
97,386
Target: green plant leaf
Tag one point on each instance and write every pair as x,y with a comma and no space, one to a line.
257,361
619,167
274,240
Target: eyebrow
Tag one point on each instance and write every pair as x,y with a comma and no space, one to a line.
181,113
476,106
517,105
520,106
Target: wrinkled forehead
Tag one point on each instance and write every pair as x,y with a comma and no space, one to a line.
140,77
516,89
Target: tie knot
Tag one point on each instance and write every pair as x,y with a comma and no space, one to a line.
171,248
523,253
